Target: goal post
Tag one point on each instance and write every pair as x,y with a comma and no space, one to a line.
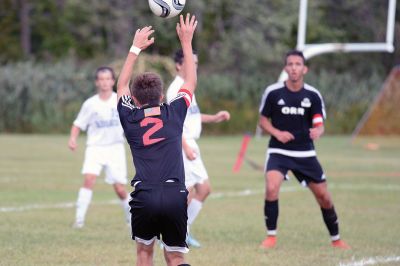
311,50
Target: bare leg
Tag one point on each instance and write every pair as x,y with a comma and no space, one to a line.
144,254
273,182
174,258
320,191
203,190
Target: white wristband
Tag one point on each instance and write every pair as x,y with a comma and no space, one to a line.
135,50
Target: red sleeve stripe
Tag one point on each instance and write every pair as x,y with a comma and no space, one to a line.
187,102
186,95
318,120
187,92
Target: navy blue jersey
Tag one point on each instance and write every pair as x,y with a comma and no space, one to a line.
154,134
295,112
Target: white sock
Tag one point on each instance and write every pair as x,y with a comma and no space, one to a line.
82,204
193,210
127,209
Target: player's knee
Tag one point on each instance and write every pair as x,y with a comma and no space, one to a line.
272,191
325,200
145,252
120,190
206,192
89,181
203,191
174,258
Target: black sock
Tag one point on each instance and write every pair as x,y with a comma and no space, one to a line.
331,221
184,264
271,211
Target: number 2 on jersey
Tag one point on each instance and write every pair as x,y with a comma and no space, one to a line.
158,124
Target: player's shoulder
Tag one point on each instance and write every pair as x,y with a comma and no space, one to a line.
176,83
92,100
174,87
127,102
273,87
312,90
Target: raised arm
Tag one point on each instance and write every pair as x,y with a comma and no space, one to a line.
140,42
185,30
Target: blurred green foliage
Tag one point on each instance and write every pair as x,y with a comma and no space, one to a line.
240,44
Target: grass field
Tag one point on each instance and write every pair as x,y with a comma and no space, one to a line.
40,178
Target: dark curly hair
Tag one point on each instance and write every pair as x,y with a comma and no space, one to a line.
147,88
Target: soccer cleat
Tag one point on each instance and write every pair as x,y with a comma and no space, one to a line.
340,244
269,242
191,241
78,225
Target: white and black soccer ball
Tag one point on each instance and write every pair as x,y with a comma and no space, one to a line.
167,8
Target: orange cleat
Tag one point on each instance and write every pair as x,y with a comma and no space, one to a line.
340,244
269,242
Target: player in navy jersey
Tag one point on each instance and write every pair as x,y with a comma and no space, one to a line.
293,113
154,133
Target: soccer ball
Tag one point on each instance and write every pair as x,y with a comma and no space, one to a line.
166,8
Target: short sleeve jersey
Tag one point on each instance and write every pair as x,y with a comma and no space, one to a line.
101,121
192,125
154,134
295,112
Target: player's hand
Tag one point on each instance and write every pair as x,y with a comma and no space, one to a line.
186,27
141,39
284,136
316,132
189,152
222,116
72,145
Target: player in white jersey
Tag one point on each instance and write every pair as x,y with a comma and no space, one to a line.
196,177
104,146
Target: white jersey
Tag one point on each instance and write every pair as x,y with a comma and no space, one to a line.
192,125
101,121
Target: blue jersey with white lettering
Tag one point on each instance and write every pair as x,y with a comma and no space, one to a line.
154,134
295,112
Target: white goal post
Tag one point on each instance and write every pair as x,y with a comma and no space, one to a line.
311,50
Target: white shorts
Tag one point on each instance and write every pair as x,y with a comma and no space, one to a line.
111,157
195,172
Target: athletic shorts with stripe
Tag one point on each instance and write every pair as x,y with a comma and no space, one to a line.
305,169
159,210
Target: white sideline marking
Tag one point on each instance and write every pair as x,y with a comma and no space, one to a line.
215,195
65,205
372,261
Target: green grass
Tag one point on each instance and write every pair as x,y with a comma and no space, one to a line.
39,170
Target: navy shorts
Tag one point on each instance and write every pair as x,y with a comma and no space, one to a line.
160,210
305,169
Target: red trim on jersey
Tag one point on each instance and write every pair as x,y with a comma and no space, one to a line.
188,93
